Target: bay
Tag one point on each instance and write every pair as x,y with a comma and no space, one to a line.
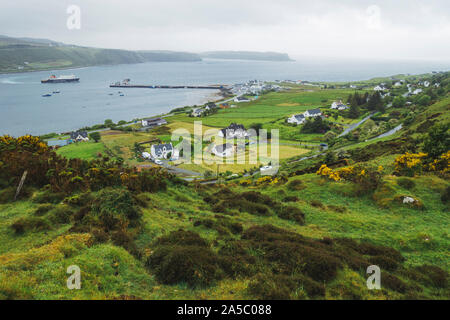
23,109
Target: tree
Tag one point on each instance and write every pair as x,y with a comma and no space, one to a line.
315,126
437,141
353,112
399,102
95,136
375,102
424,100
109,123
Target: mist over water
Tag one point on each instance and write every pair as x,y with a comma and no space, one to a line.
24,110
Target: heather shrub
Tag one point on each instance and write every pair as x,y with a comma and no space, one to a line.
384,262
22,225
60,214
406,183
316,204
191,262
445,196
393,283
265,287
292,213
339,209
434,275
48,196
43,208
296,185
290,199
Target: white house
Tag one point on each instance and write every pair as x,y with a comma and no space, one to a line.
379,88
296,119
152,122
223,150
312,113
398,84
339,105
146,155
234,130
79,136
241,99
197,112
161,151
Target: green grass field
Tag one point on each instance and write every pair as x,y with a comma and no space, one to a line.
82,150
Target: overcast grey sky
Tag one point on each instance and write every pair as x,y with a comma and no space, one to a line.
388,29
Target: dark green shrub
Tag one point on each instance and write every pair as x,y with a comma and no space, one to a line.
112,208
22,225
384,262
292,213
376,250
321,266
79,199
142,200
316,204
48,196
296,185
435,275
445,196
406,183
393,283
266,288
290,199
182,238
7,194
124,239
340,209
60,214
43,209
194,265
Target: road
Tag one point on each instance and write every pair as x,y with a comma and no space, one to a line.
356,125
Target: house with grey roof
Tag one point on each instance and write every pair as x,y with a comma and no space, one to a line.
79,136
312,113
296,119
234,130
162,151
153,122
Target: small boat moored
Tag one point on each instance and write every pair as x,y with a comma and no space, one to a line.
47,95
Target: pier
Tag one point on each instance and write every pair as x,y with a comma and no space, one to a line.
214,87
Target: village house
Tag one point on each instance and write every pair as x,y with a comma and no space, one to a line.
234,130
339,105
77,136
312,113
197,112
223,150
379,88
296,119
241,99
153,122
162,151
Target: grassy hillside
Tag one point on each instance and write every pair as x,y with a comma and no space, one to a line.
18,55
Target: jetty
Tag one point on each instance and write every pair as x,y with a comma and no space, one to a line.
126,84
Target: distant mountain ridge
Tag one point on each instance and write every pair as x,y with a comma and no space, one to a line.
30,54
247,55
